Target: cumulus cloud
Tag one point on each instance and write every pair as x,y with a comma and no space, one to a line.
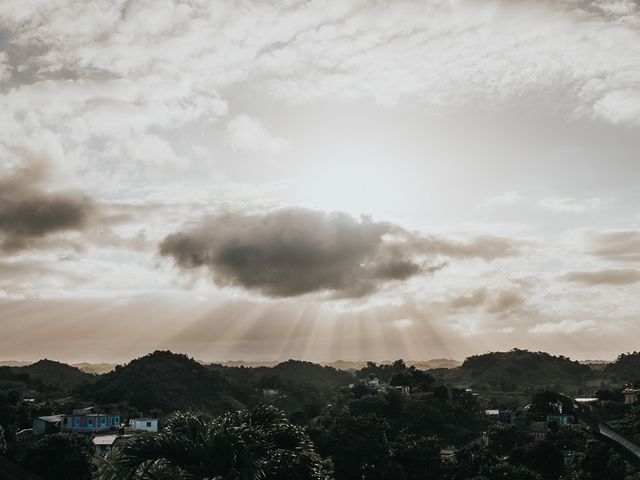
616,245
251,135
604,277
292,252
29,212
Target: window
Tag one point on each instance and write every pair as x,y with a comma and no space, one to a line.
90,422
76,421
148,424
103,420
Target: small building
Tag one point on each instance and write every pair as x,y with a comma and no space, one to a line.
630,395
47,424
506,416
144,424
403,389
448,454
538,430
560,419
106,443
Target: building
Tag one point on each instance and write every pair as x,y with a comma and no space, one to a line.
106,443
560,419
144,424
81,421
47,424
630,395
538,430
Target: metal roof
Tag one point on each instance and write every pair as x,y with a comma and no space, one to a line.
51,418
105,439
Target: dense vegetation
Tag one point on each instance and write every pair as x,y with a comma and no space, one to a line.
299,420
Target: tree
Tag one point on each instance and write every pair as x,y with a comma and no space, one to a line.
504,438
257,444
61,456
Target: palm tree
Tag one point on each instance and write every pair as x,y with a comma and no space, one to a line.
245,445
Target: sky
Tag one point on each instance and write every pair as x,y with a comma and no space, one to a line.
322,180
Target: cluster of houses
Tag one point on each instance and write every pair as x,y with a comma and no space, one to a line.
374,383
107,429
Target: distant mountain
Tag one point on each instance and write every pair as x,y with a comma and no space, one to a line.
97,368
14,363
166,381
626,367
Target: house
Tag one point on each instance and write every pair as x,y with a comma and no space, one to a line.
630,395
144,424
560,419
47,424
403,389
506,416
448,454
538,430
81,421
106,443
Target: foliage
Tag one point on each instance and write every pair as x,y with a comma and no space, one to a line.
253,444
61,456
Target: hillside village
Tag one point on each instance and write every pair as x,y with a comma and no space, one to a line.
514,408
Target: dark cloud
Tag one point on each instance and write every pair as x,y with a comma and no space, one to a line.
620,246
29,212
604,277
503,302
291,252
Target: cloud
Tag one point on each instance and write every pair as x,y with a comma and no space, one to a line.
621,246
251,135
291,252
502,302
29,212
571,205
564,327
620,106
504,199
604,277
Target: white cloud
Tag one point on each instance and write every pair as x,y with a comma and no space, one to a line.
620,106
251,135
403,323
572,205
564,327
506,198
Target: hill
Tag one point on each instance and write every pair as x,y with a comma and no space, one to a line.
163,380
56,374
518,370
625,368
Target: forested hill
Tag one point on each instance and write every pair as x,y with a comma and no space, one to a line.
164,381
626,367
516,368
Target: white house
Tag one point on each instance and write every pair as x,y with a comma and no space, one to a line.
144,424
